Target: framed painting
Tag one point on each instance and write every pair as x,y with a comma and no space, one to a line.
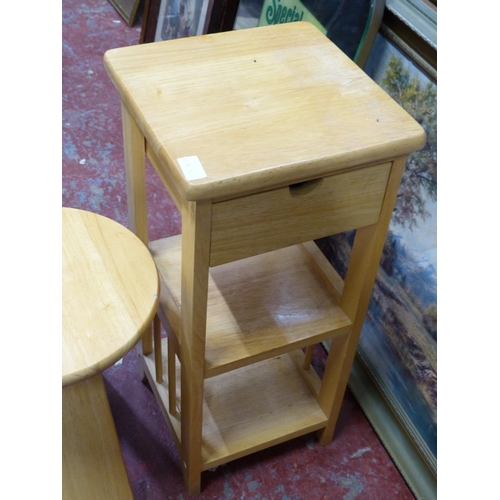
398,347
169,19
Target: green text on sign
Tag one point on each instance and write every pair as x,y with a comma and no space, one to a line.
286,11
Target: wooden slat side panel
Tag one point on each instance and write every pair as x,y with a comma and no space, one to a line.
243,412
263,222
161,393
167,256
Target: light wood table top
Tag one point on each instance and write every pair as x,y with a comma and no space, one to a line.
256,110
110,293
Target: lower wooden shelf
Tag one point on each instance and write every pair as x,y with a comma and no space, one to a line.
248,409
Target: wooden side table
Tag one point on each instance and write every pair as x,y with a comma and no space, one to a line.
266,139
110,296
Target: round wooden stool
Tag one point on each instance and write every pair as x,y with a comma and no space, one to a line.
110,296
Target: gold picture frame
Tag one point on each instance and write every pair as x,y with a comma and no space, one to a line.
127,9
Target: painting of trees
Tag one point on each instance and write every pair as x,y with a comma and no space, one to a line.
420,175
402,318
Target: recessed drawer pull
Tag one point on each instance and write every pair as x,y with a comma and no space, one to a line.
304,188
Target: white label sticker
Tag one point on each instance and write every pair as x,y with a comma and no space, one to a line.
192,168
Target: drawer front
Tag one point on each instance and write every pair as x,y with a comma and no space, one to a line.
294,214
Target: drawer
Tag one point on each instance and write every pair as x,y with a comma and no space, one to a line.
274,219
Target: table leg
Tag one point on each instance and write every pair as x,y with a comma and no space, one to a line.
360,278
196,226
135,177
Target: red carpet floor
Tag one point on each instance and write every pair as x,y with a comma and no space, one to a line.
354,466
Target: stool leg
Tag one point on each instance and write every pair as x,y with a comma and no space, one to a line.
171,378
157,348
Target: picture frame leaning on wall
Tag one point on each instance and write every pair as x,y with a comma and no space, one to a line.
406,46
168,19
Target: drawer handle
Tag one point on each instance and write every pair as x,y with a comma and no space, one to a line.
304,188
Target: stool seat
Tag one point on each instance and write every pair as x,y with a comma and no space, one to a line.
110,288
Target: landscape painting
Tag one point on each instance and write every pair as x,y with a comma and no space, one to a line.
399,336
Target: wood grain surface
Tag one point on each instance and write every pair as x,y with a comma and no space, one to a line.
110,293
260,108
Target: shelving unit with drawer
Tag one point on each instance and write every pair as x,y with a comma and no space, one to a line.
286,141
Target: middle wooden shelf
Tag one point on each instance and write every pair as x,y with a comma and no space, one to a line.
259,307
